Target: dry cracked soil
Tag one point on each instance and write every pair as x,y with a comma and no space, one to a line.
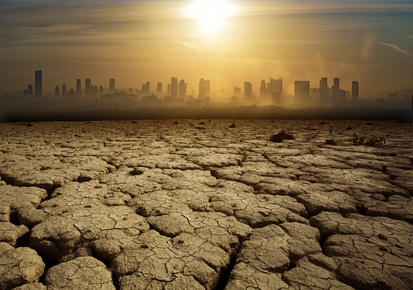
205,204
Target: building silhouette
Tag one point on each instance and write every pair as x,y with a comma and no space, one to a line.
263,89
247,90
201,91
57,92
159,90
88,88
111,85
72,94
174,87
302,90
335,93
207,88
323,90
78,89
182,88
100,91
355,91
38,85
29,91
146,89
64,91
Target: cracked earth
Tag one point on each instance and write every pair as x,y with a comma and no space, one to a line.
205,204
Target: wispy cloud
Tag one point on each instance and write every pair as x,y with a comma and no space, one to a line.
396,48
187,44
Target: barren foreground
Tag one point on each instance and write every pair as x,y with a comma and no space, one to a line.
199,204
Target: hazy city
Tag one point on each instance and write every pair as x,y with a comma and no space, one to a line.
206,144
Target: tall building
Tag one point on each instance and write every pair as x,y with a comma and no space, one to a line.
335,94
57,92
146,89
182,88
169,90
247,90
78,89
355,91
275,86
159,90
302,90
64,91
38,85
207,88
174,87
111,85
100,91
88,88
29,91
323,91
263,89
202,93
237,92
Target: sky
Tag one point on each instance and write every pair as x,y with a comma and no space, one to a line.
227,42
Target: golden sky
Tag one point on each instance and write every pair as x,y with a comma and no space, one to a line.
139,41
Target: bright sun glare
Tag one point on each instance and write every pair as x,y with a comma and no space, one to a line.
211,14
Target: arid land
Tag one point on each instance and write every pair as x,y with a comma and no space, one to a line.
205,204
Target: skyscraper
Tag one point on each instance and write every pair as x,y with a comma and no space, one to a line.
111,85
78,89
88,88
302,90
182,88
263,89
146,89
57,92
355,91
323,91
247,90
100,91
38,89
174,87
159,90
207,88
202,88
335,94
64,91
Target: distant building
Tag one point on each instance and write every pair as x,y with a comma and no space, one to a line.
355,91
112,85
88,88
38,85
78,89
29,91
247,90
159,90
202,93
275,86
207,88
146,89
335,93
72,94
169,90
95,91
323,90
182,88
64,91
237,91
100,91
174,87
263,89
302,90
56,92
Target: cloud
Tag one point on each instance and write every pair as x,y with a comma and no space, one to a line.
187,44
397,48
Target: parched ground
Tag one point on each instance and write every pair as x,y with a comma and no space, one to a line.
205,204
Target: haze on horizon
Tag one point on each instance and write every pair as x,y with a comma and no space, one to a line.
139,41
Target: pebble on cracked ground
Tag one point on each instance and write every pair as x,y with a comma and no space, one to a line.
205,204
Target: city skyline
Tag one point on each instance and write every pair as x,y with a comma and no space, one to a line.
149,41
273,90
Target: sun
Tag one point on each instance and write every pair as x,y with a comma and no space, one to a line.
211,14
